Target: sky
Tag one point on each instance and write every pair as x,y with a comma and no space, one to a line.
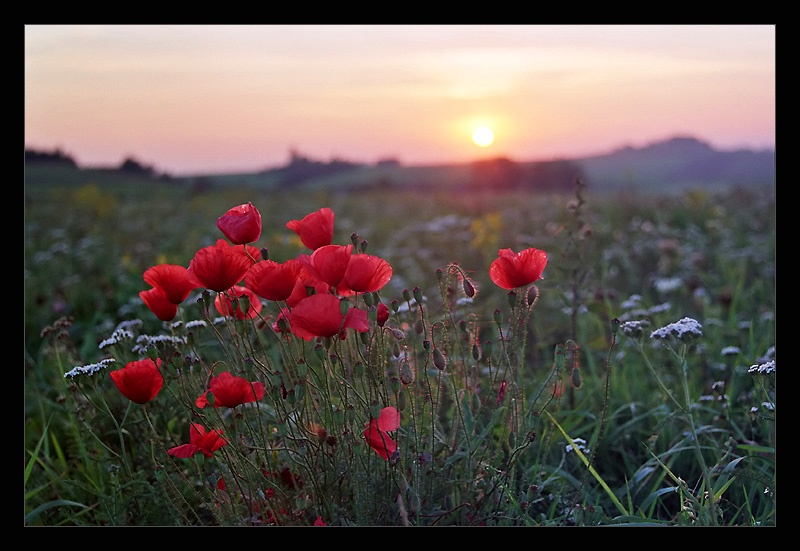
198,99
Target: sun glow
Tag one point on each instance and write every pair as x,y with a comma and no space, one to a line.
483,136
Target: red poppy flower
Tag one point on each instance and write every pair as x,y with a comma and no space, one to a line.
511,270
218,268
225,303
139,381
159,304
305,286
200,441
252,253
329,263
367,273
316,229
321,316
230,391
174,281
241,224
274,280
376,433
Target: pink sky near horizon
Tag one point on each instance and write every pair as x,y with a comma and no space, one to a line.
195,99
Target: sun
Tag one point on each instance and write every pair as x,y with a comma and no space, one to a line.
483,136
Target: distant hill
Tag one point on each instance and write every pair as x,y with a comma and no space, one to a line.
679,163
672,165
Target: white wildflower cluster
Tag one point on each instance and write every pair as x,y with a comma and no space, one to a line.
634,328
730,351
634,309
117,336
766,368
668,284
146,341
684,329
765,365
90,369
123,331
580,443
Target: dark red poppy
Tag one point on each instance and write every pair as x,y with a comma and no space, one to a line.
329,263
241,224
139,381
173,280
159,304
367,273
200,441
274,280
376,433
321,316
230,391
316,229
229,303
218,268
511,270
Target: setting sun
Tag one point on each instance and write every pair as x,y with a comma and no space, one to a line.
483,136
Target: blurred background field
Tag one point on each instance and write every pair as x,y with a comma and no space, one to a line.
708,254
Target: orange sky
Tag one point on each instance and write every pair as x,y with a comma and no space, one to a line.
202,99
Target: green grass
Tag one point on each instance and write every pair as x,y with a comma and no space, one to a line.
662,424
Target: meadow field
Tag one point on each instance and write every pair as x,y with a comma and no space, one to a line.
633,384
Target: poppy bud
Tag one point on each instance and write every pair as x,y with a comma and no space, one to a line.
402,400
438,359
512,299
406,373
469,288
498,317
533,295
576,378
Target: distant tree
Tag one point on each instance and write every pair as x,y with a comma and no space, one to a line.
54,157
300,168
132,166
